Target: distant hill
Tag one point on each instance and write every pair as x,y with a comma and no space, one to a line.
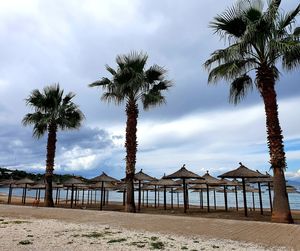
20,174
295,183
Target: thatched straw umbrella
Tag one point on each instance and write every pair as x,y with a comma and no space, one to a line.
183,174
73,182
212,181
242,172
166,183
141,177
103,178
200,188
268,180
235,184
10,184
24,182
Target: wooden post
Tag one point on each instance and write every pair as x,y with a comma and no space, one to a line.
225,198
147,193
82,202
165,198
72,195
67,195
184,195
201,198
215,202
56,196
207,194
253,202
25,193
270,196
155,196
101,197
236,199
172,193
260,199
139,198
245,198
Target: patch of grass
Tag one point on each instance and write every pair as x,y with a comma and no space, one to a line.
70,242
194,250
93,235
153,238
19,222
139,244
29,235
14,222
108,232
75,235
196,241
172,239
25,242
157,245
214,246
184,248
117,240
1,219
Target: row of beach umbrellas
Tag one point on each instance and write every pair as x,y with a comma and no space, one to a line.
183,179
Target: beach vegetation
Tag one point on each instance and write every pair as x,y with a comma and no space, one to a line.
259,38
157,245
52,111
131,83
25,242
93,235
117,240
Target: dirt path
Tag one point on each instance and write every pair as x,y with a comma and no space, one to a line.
262,233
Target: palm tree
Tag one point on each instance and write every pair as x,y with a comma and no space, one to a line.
258,39
131,83
52,111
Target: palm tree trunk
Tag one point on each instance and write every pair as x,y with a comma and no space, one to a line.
51,146
266,85
131,148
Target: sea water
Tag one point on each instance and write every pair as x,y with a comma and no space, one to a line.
194,197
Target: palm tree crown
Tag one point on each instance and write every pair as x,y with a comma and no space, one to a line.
51,107
132,82
258,40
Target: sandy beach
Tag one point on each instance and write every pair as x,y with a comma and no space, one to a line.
28,228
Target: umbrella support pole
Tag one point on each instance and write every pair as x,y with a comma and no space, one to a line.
270,197
245,198
207,195
215,202
236,198
260,199
225,198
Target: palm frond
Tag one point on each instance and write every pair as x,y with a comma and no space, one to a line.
289,18
229,23
239,88
231,70
291,58
103,82
296,32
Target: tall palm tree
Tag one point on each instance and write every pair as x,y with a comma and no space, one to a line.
258,39
52,111
131,83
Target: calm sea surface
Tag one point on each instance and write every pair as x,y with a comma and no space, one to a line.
194,197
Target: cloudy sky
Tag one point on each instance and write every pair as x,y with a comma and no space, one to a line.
50,41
